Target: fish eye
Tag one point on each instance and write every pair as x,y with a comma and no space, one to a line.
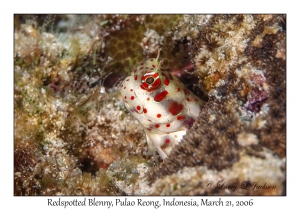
150,80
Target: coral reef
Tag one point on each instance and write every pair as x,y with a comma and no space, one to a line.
247,176
241,89
73,135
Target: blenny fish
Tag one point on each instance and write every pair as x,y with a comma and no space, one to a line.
161,103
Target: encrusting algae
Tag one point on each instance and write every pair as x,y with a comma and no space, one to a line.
74,136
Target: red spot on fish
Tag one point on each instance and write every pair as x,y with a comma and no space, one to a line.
160,96
135,77
178,89
175,108
125,87
167,141
148,99
166,82
180,117
138,108
153,66
142,63
141,68
132,97
151,59
131,90
145,110
127,80
156,125
134,71
168,125
125,97
188,99
158,115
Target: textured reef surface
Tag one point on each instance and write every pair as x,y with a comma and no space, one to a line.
73,135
